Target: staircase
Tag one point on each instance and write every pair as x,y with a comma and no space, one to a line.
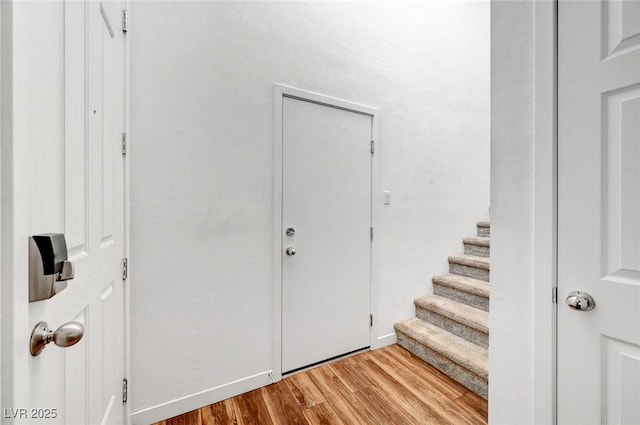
450,330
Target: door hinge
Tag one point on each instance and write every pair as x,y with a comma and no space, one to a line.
371,320
125,390
554,295
125,21
372,147
124,143
125,268
371,233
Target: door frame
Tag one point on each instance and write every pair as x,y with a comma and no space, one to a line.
3,107
545,254
280,91
126,180
535,394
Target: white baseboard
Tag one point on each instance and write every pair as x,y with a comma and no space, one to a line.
383,341
191,402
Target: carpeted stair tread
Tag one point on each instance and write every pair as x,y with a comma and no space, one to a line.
478,240
458,312
464,353
471,261
463,283
464,289
483,228
479,245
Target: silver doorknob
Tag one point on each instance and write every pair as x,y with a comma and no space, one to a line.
579,300
291,251
66,335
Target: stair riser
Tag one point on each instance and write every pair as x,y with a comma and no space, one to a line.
461,296
484,231
469,271
480,251
456,328
465,377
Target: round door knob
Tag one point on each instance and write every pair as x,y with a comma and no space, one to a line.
579,300
66,335
291,251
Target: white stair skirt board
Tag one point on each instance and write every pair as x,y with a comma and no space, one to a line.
450,330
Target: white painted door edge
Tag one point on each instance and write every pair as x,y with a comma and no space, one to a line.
279,92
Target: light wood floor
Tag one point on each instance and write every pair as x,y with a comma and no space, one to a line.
389,386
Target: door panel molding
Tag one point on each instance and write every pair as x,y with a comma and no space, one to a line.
75,127
107,20
620,27
620,207
280,92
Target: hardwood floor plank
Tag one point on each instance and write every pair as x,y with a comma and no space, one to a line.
322,414
472,402
420,386
348,370
384,413
304,390
251,409
221,413
281,405
189,418
415,408
438,380
338,395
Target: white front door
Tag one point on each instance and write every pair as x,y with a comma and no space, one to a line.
599,211
326,197
82,384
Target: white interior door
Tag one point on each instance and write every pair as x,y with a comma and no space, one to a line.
83,383
599,211
326,193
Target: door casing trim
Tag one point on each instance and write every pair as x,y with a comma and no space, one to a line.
545,212
280,91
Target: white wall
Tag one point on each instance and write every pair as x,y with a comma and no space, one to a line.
201,175
523,173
